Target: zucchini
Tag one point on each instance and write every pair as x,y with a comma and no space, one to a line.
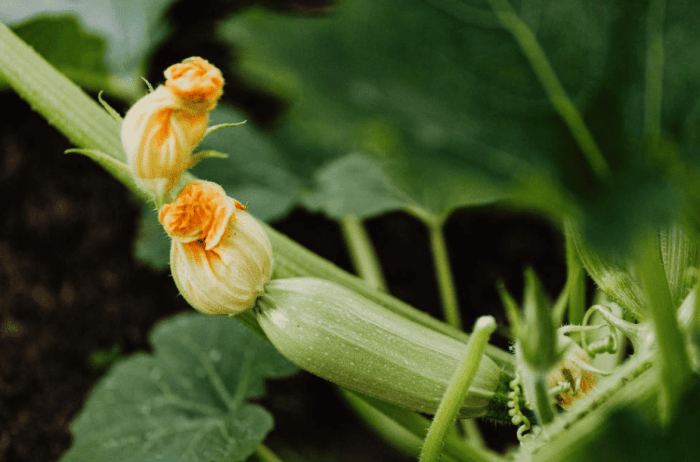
347,339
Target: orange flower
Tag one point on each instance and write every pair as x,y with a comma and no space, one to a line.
220,257
159,135
162,129
569,371
196,82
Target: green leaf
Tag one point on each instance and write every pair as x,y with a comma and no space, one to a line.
58,38
152,243
452,110
628,435
131,29
256,171
186,402
451,105
354,185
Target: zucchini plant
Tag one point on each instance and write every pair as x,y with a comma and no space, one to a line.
454,104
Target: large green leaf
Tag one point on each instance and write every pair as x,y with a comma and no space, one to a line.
452,108
446,99
186,402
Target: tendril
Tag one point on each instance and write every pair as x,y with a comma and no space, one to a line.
514,409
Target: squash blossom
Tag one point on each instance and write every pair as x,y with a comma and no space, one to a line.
569,371
162,129
220,257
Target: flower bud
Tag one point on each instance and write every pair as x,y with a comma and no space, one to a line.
220,257
196,82
159,136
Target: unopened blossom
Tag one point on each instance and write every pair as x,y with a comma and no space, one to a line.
160,132
220,257
159,135
196,82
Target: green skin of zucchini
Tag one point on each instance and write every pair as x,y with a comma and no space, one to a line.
340,336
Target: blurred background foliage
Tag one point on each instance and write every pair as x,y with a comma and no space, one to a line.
427,105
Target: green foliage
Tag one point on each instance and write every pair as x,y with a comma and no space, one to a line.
354,184
256,170
152,243
112,35
186,402
57,38
452,110
629,435
449,103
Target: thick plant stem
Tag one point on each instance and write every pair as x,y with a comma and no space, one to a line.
457,391
441,260
653,91
265,454
567,110
364,257
671,353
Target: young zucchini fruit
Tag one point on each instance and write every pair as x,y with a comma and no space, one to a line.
343,337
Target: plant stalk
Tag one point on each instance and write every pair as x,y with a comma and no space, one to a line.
456,392
362,252
443,272
671,350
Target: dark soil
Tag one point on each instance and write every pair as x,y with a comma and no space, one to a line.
70,287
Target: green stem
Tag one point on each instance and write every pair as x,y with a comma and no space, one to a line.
457,391
671,350
653,93
543,401
550,82
362,252
443,272
576,280
418,426
265,454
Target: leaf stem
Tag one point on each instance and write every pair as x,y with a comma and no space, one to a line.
576,280
443,272
362,252
534,53
392,417
457,391
265,454
653,93
672,353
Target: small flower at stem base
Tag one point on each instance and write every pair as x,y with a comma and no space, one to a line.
220,257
